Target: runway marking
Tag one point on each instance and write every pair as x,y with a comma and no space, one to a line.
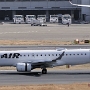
18,32
49,30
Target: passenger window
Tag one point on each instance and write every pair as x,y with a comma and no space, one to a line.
52,54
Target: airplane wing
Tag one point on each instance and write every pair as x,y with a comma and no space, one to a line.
39,63
48,62
79,4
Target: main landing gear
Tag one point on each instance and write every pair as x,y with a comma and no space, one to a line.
44,71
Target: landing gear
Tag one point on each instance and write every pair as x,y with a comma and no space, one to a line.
44,71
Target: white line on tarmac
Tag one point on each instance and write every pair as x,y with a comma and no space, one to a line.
18,32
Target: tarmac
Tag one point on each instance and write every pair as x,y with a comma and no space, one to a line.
12,77
49,32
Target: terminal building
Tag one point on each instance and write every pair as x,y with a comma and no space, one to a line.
43,7
85,11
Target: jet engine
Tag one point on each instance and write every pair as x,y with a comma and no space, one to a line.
23,67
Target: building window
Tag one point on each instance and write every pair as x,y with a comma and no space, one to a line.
2,0
38,0
9,0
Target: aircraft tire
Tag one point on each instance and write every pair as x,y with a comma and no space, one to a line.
44,71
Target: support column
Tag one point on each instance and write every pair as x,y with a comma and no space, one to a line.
13,13
80,16
47,15
72,15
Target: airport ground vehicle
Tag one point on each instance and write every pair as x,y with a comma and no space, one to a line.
41,17
29,18
53,18
37,23
66,19
18,19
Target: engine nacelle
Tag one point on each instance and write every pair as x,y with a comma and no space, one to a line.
23,67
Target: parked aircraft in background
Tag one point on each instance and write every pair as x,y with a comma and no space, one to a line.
27,60
79,4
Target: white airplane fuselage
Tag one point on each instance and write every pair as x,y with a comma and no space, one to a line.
55,57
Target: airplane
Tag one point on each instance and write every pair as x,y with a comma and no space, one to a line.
27,60
79,4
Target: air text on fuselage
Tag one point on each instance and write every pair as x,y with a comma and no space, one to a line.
10,55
